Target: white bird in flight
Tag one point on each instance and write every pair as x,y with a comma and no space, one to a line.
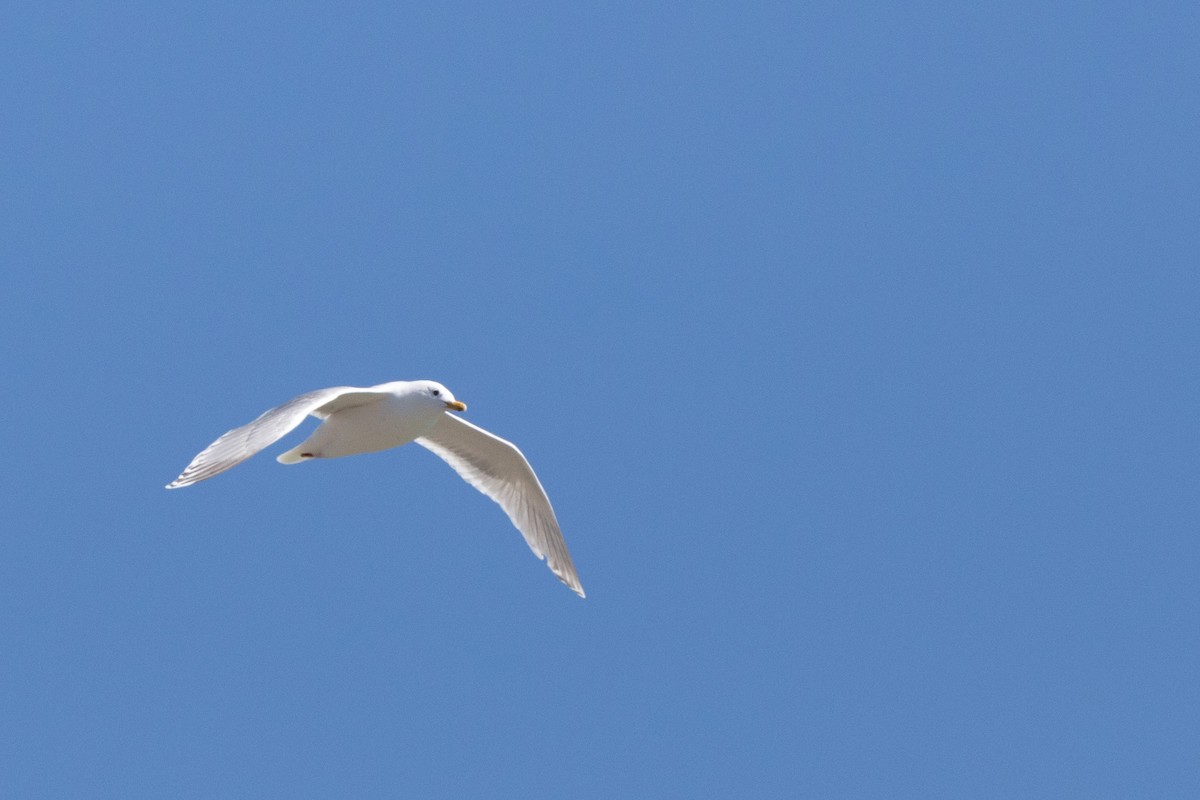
358,420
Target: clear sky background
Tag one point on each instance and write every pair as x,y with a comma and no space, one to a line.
855,344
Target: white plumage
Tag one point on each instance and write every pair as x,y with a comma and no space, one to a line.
358,420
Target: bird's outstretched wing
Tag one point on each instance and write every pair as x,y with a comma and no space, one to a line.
498,469
240,443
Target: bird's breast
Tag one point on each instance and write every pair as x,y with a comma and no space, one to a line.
378,426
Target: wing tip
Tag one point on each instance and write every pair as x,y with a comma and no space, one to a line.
572,582
183,480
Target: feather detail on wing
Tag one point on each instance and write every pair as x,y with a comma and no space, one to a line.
240,443
498,469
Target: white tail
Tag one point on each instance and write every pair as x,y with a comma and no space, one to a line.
292,456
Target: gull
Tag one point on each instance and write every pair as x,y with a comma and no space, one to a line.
365,420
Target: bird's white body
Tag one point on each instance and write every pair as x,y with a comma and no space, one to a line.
356,420
397,418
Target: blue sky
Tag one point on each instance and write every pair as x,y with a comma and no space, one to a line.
855,345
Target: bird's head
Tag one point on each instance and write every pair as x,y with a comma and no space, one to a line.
441,395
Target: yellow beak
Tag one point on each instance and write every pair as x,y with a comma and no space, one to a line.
456,405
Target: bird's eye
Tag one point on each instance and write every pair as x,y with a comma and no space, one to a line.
436,392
